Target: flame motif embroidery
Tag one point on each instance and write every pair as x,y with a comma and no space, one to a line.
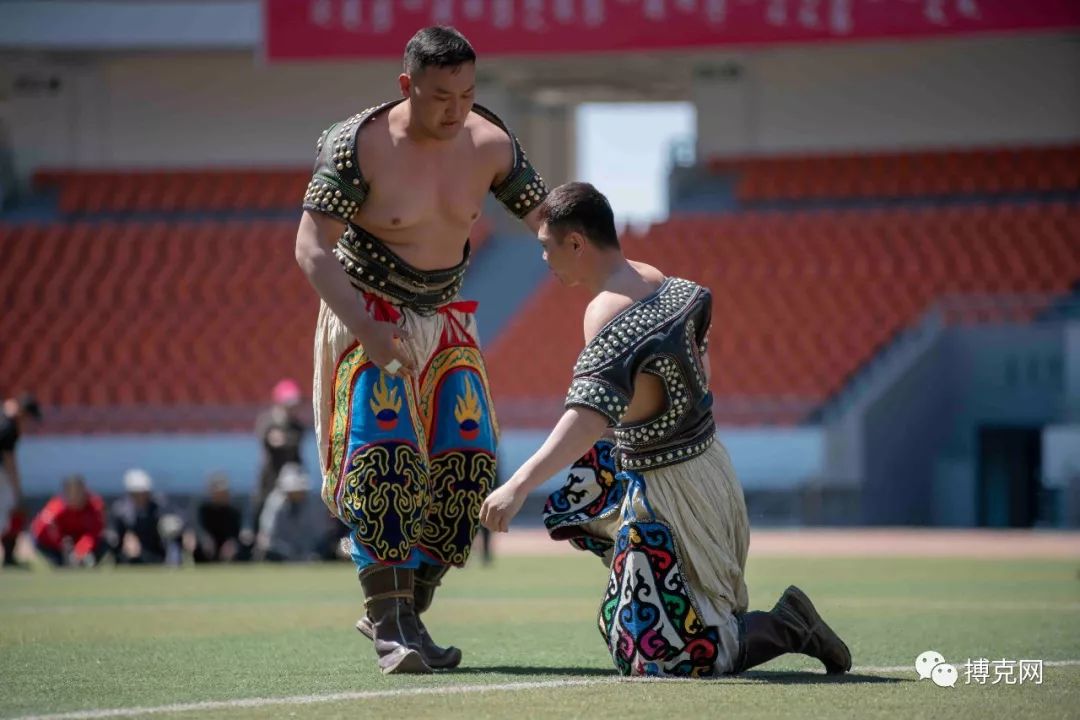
467,412
386,404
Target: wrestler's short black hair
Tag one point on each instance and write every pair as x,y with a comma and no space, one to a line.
580,206
437,46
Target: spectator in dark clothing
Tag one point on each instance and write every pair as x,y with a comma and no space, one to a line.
331,542
70,529
290,527
13,418
144,532
280,431
219,532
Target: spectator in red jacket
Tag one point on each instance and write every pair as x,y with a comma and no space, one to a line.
69,529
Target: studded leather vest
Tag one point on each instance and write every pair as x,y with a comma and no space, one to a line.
338,187
373,267
665,335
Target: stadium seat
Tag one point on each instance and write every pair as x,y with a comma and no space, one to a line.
980,171
801,301
153,325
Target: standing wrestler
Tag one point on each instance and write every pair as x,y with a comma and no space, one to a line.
403,412
672,524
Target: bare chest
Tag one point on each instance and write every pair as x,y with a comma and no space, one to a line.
411,188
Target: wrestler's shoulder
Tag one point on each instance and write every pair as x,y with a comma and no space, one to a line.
650,273
364,117
675,282
694,286
602,309
373,137
362,124
491,143
693,293
485,132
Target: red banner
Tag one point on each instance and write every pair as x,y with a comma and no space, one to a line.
309,29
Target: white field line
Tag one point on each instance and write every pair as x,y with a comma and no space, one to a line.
259,702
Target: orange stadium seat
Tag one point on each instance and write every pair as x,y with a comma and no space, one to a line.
125,314
135,325
802,300
175,190
986,171
237,190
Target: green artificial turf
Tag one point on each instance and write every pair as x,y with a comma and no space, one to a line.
137,637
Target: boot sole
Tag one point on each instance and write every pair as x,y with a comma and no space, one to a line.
448,662
801,604
404,661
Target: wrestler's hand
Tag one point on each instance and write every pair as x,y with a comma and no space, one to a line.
501,506
382,342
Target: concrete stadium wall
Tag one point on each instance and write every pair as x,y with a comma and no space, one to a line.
178,463
914,444
996,375
227,107
774,459
214,108
902,95
900,444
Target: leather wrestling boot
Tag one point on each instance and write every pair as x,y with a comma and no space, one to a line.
389,604
426,579
792,626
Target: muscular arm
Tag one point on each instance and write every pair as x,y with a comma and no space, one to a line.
501,146
576,432
315,240
579,428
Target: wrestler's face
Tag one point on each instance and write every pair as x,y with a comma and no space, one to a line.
560,253
441,98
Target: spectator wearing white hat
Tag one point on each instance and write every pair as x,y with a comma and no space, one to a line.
143,533
289,528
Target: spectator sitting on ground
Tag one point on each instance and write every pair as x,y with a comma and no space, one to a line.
144,532
69,530
289,529
219,534
332,543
